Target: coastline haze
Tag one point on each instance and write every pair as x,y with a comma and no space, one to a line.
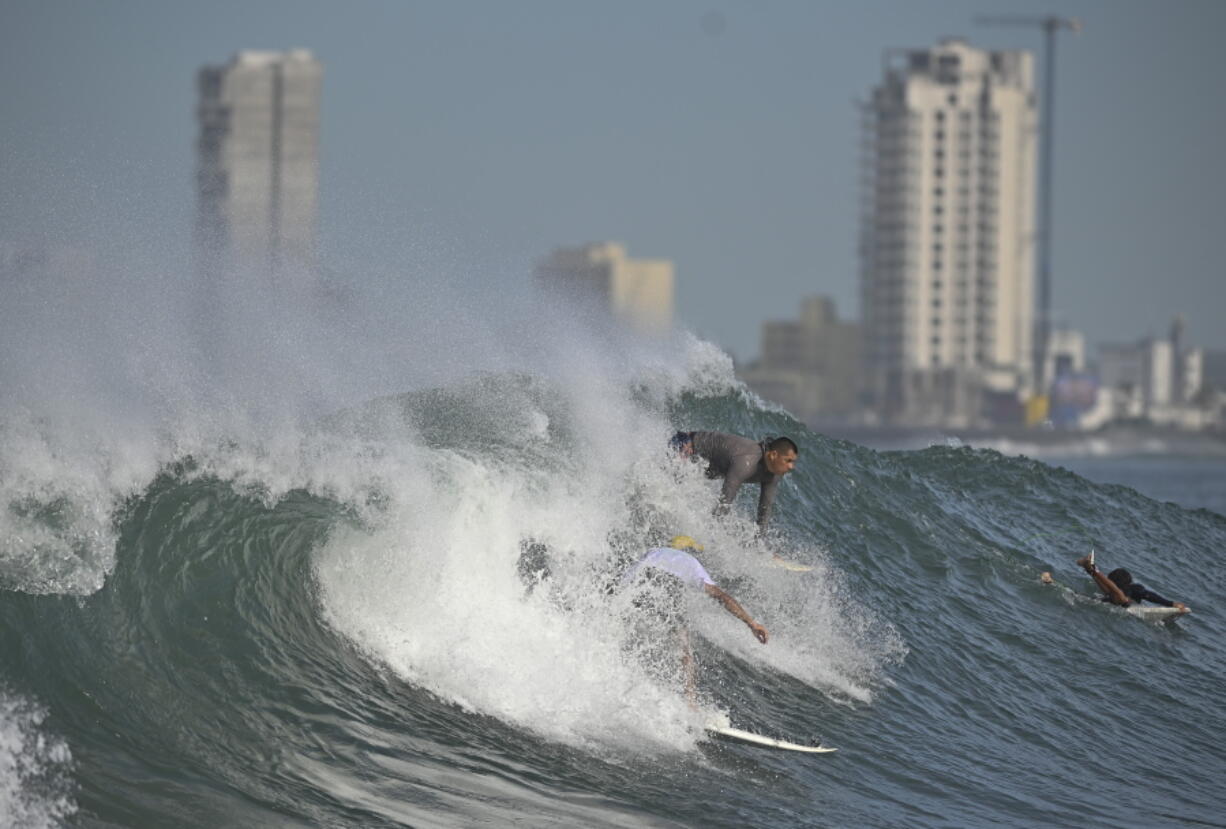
474,139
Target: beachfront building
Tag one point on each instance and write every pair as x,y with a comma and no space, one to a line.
947,232
1157,379
600,275
1213,369
258,162
1065,352
811,365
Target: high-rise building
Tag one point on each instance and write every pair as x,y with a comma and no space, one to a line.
258,161
947,231
600,275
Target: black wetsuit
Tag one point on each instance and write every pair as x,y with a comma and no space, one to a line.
738,461
1137,592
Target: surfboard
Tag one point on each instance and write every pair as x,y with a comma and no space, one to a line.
718,730
1154,614
784,564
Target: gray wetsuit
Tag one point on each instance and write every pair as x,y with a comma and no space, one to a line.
738,461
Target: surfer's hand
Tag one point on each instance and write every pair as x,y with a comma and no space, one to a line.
1085,564
1046,578
759,632
1181,607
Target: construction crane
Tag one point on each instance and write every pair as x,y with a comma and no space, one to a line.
1050,24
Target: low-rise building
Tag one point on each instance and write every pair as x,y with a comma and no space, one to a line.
601,276
1159,380
811,366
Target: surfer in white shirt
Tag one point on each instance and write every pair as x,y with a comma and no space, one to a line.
658,580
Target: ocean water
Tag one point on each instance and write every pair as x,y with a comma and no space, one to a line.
227,616
1195,482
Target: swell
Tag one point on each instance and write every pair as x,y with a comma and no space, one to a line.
203,680
1012,692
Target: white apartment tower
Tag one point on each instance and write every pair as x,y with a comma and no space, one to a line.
947,230
258,161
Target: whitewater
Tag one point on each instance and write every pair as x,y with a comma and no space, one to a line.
269,571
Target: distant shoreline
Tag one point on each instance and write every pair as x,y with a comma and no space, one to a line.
1110,441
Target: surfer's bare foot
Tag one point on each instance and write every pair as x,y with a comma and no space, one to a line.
1046,578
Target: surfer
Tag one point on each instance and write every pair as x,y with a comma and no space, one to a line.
1119,588
659,578
739,460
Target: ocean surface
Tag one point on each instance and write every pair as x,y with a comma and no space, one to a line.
212,621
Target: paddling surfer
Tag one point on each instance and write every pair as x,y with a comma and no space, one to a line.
1119,588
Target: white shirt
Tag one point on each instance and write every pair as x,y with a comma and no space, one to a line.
680,564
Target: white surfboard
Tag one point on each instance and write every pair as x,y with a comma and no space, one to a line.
1154,614
784,564
758,740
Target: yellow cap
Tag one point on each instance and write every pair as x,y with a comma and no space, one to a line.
684,542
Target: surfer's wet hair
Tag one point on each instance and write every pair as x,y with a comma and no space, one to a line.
1121,577
779,444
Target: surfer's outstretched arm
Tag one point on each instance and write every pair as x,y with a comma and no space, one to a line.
766,498
740,469
1112,591
734,607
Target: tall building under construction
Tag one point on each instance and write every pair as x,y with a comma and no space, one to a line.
947,231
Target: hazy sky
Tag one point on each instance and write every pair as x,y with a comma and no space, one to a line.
471,138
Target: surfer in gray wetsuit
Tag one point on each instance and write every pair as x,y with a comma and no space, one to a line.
739,461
